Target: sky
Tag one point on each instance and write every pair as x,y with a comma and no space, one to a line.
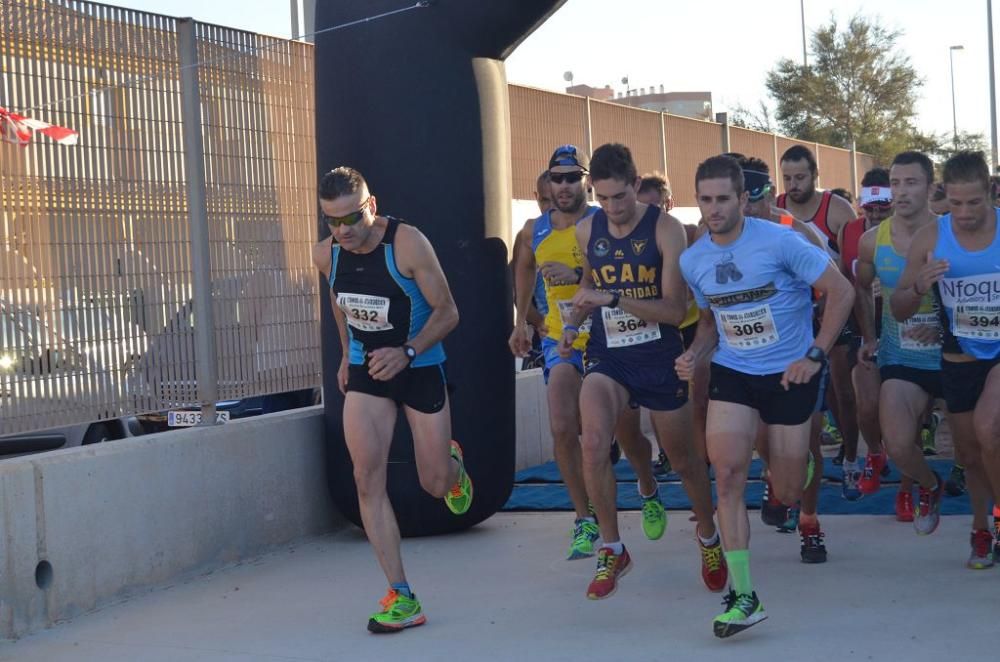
725,46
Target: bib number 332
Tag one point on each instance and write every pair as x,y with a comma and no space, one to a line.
364,312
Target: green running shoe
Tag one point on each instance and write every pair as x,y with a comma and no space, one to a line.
742,611
585,534
654,517
398,613
459,498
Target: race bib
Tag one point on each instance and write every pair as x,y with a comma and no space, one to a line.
907,327
364,312
978,321
624,329
566,313
752,328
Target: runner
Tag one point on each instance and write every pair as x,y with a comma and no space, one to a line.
955,257
752,281
829,213
553,254
876,206
635,297
393,308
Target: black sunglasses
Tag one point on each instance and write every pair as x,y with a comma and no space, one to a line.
568,177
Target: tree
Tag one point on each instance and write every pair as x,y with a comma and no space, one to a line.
758,120
858,87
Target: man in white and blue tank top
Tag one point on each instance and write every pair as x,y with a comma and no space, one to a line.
957,259
752,280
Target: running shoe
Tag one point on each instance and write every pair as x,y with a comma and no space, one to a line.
791,523
662,465
714,572
398,613
904,506
610,568
654,517
813,550
955,485
927,514
830,435
928,434
981,556
742,611
772,511
876,468
585,534
996,532
850,488
459,498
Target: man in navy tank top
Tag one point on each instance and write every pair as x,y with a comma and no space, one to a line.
752,280
393,308
636,298
957,259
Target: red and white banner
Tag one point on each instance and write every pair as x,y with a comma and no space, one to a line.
18,130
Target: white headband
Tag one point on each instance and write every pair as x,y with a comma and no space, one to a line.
875,195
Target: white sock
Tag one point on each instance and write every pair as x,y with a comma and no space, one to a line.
616,547
646,497
708,542
851,466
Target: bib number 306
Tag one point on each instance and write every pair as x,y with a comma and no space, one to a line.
752,328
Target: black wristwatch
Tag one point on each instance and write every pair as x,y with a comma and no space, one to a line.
816,354
615,298
579,274
410,352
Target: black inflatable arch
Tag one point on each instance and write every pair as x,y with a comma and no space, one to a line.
417,102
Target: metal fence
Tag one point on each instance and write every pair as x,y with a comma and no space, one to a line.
97,275
541,120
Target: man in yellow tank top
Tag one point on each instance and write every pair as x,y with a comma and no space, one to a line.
549,247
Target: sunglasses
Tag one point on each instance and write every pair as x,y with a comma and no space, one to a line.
349,219
568,177
758,194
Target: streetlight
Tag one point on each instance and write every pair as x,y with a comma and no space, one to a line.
954,116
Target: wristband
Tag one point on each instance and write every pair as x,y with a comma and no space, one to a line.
615,298
570,327
579,274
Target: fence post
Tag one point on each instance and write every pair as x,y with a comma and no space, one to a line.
723,120
779,185
663,144
590,138
854,168
201,263
819,166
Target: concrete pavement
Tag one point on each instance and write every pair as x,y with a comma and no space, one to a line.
502,592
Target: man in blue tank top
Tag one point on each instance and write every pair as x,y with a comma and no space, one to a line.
752,280
393,308
635,296
957,258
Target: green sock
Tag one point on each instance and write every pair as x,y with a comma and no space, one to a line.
739,570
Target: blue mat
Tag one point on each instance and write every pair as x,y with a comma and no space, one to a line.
540,488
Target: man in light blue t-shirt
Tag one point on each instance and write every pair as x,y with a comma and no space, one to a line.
752,280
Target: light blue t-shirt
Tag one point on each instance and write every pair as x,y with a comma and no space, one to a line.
758,288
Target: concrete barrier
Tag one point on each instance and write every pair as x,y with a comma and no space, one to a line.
534,437
87,526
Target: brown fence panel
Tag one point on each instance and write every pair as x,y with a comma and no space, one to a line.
756,144
865,163
638,129
689,142
835,168
540,121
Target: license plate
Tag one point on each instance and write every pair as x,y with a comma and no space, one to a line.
187,419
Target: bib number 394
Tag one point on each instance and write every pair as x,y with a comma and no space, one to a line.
752,328
364,312
979,321
624,329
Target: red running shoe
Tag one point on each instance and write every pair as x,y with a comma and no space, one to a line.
714,572
875,470
904,506
610,568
